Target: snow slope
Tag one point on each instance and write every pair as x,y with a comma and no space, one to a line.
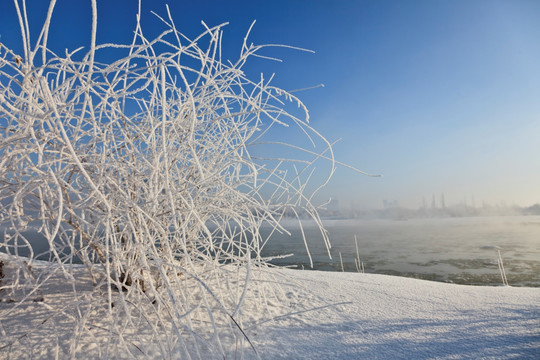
385,317
319,315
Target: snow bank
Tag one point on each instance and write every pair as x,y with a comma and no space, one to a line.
384,317
314,315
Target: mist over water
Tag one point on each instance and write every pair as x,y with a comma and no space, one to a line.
459,250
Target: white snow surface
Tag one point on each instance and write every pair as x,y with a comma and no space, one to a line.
326,315
387,317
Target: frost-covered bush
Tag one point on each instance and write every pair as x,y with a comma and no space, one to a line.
142,169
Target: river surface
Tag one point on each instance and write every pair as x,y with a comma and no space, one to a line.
458,250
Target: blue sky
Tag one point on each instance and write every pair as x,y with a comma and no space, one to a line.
438,96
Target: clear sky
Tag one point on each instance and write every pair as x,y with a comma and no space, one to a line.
438,96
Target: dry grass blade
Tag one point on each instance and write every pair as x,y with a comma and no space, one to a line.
137,177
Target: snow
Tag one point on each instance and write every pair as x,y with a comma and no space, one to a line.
318,315
387,317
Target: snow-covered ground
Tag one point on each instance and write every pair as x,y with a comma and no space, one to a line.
384,317
321,315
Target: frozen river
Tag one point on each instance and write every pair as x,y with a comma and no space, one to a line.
459,250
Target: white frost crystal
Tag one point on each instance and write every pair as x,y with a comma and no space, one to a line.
143,170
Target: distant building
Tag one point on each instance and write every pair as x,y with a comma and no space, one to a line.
443,204
390,204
